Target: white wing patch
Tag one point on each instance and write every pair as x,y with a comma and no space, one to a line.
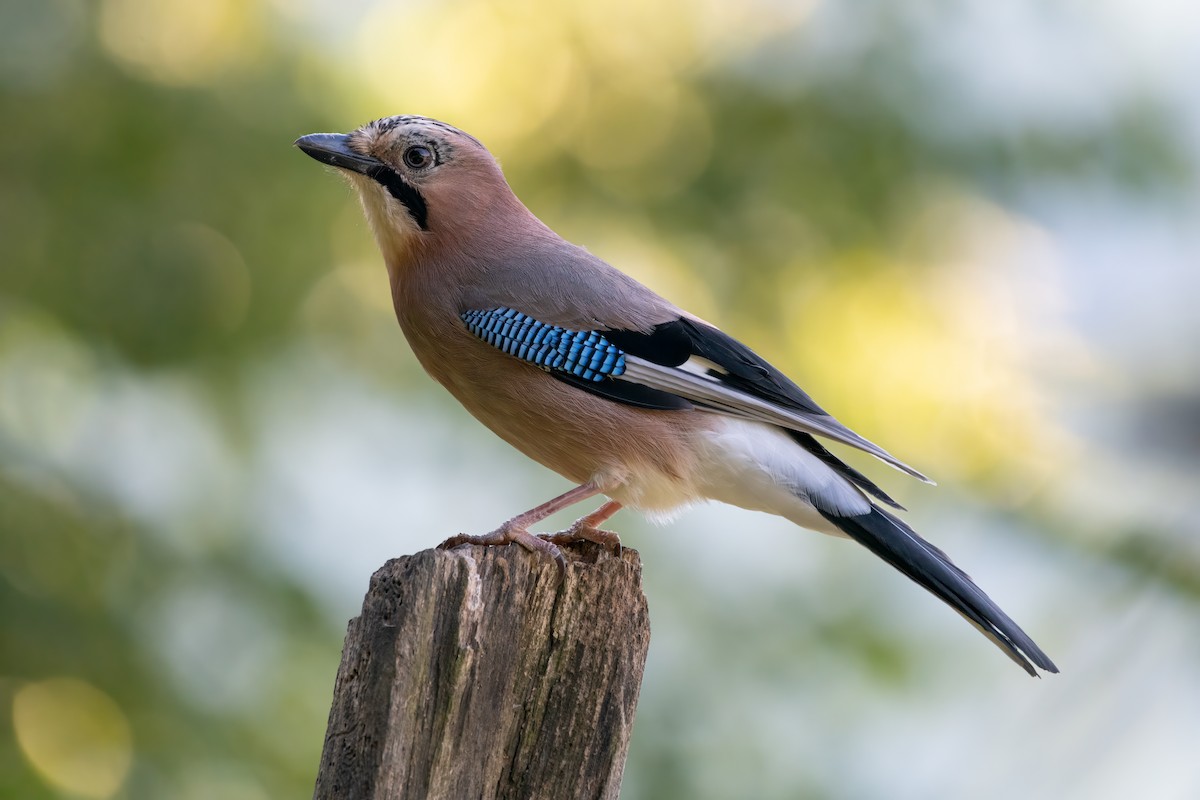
702,367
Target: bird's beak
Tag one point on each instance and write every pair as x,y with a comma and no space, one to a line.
334,149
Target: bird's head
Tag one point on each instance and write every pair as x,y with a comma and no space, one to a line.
419,179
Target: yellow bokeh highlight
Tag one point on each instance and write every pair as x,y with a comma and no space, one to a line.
178,44
74,736
643,140
939,363
603,80
667,38
497,70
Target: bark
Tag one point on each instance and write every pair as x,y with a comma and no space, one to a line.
476,673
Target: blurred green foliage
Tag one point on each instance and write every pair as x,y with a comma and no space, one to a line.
184,299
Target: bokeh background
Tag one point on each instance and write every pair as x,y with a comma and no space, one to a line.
968,228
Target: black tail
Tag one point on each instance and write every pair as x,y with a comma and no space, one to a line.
899,545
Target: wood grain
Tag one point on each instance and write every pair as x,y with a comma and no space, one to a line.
476,673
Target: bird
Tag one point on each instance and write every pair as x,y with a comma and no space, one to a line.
595,376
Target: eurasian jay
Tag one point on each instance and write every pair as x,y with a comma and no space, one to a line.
588,372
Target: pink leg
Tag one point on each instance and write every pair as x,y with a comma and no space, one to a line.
517,528
588,529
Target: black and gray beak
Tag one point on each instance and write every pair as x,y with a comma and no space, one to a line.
334,149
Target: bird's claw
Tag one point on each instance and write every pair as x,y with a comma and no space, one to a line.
512,535
585,533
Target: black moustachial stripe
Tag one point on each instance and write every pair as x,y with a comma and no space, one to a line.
403,191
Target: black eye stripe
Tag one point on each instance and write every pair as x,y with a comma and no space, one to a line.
404,192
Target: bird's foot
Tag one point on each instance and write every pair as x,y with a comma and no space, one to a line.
582,532
509,534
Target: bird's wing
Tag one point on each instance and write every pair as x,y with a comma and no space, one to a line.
677,364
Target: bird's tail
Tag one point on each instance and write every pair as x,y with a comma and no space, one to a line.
899,545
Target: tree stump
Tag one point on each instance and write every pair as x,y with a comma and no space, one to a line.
477,673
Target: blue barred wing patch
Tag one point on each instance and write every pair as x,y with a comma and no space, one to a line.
584,354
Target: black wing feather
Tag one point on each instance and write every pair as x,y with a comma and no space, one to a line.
673,343
668,344
747,371
595,361
631,394
899,545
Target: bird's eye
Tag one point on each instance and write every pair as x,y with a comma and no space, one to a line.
418,157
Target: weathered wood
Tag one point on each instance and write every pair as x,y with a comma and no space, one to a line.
475,673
